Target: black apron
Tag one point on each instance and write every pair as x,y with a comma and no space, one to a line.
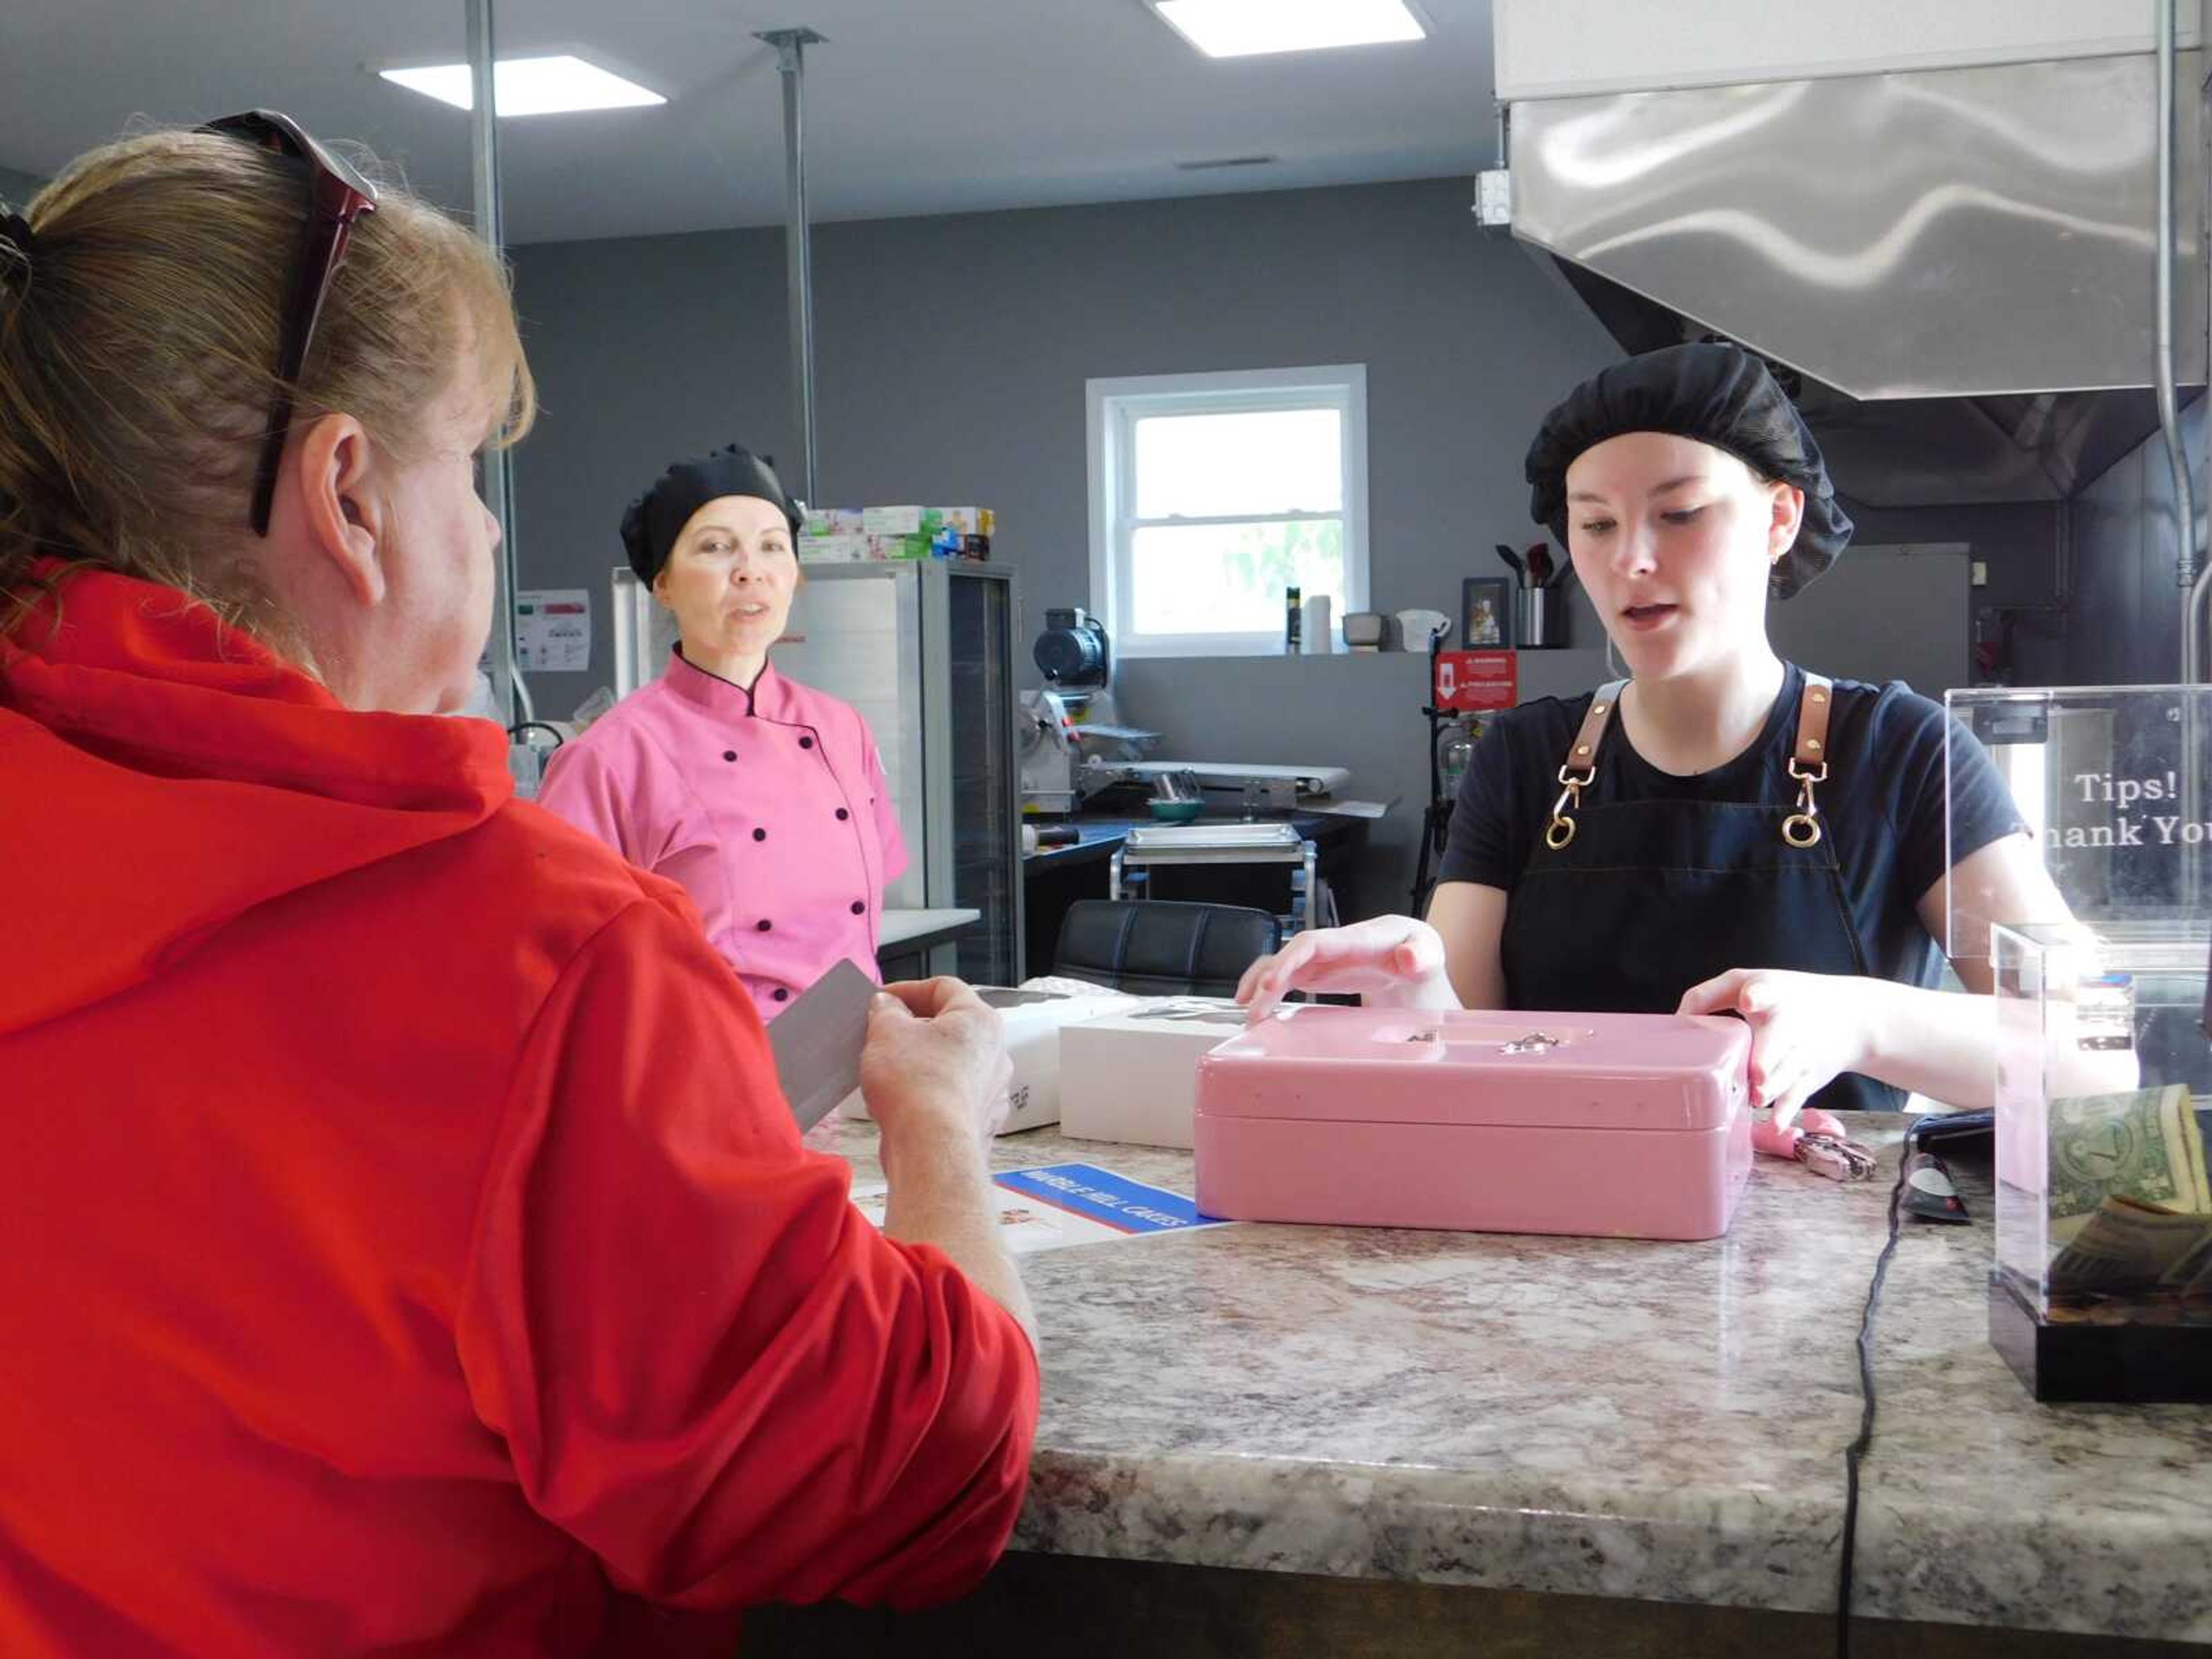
1625,905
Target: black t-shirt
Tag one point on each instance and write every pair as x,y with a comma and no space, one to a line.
1883,801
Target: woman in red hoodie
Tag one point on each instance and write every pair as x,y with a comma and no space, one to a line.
407,1245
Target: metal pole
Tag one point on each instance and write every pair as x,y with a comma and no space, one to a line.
2177,461
791,63
2169,421
2193,609
509,689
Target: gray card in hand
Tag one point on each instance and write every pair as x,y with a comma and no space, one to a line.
817,1042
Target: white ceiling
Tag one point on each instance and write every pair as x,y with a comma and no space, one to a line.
913,106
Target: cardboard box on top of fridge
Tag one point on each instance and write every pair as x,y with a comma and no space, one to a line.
1033,1019
892,521
833,521
1131,1073
926,521
835,550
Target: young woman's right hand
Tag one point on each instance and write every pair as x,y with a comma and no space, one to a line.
935,1052
1392,960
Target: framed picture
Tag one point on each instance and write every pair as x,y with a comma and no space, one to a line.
1485,613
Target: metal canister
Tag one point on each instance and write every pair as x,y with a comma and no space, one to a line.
1540,619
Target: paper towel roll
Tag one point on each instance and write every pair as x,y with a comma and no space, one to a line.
1318,638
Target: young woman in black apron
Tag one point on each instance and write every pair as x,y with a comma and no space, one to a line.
1720,831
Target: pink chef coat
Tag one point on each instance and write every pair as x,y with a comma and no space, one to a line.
768,806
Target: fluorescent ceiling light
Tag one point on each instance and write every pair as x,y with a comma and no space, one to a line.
1244,28
529,86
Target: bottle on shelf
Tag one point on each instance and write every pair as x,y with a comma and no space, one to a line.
1455,752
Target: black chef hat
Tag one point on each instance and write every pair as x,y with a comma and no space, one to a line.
1720,395
652,523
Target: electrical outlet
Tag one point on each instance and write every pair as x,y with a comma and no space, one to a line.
1493,197
1980,574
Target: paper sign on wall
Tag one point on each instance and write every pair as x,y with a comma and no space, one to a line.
553,629
1471,680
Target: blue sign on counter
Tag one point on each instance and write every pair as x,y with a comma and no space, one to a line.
1111,1201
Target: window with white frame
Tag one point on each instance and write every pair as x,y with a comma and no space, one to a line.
1211,494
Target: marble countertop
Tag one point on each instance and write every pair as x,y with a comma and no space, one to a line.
1659,1421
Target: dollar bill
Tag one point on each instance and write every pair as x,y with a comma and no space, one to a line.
2126,1245
2141,1144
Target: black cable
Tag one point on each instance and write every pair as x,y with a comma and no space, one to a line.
1857,1448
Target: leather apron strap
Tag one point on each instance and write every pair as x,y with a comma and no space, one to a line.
1809,760
1580,764
1812,709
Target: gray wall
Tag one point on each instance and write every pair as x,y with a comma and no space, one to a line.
2024,547
2126,626
1884,613
644,351
17,188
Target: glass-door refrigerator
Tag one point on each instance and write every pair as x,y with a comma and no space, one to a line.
924,650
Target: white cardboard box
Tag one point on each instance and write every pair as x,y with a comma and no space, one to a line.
1033,1021
834,549
891,521
1131,1075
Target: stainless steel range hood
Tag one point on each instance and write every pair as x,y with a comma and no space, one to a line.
1960,262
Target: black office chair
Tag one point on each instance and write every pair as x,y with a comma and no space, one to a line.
1161,947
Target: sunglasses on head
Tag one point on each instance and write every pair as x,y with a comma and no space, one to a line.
337,196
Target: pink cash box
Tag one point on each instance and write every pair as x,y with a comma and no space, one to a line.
1622,1126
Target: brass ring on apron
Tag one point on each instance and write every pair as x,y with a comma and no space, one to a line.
1560,831
1801,829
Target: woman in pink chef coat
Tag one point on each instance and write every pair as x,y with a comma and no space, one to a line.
765,799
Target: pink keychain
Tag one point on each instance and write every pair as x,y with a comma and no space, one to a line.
1817,1141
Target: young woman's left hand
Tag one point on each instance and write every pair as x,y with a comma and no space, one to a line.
1806,1029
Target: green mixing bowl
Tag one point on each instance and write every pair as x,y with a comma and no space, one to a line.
1177,812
